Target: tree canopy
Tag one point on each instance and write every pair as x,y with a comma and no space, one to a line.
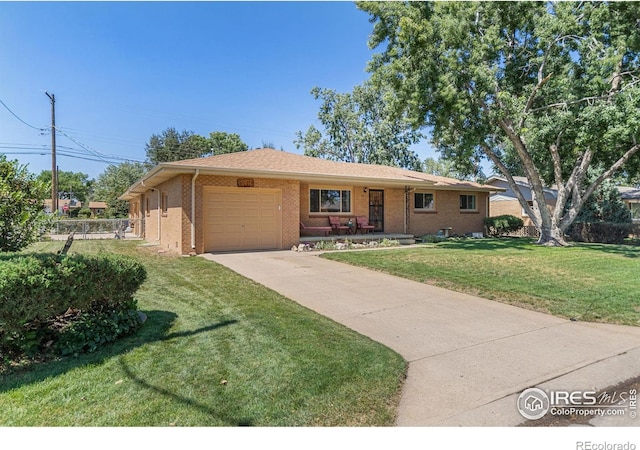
360,128
114,182
22,216
548,89
171,145
71,185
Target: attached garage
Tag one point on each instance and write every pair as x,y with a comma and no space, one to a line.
241,219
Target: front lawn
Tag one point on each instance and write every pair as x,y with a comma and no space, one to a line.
589,282
216,350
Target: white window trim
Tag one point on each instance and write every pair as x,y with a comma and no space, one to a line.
425,209
475,201
332,188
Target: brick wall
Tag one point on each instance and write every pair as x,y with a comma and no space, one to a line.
448,214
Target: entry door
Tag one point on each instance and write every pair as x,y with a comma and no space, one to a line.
376,209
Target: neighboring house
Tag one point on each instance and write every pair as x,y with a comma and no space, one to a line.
631,197
97,208
256,200
507,203
65,206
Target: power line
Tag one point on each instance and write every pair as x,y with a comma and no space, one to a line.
37,148
71,155
16,116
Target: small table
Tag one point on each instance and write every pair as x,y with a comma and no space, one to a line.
445,231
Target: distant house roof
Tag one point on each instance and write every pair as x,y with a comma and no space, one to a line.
522,182
629,192
97,205
270,163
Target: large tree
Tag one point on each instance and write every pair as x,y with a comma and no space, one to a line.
171,145
114,182
360,128
22,216
71,185
547,89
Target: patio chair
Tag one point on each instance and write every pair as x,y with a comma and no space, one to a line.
325,230
362,224
336,226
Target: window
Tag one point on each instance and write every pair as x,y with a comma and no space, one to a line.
165,202
424,201
524,211
147,210
468,203
635,211
329,201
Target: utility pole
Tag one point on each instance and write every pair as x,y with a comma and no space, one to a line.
54,167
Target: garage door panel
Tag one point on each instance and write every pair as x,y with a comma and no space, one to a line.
241,219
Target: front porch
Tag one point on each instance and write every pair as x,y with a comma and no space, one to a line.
403,239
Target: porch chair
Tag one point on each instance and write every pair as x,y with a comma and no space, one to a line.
325,230
362,224
336,226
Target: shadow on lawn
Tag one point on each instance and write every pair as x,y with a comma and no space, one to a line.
154,330
490,244
218,413
628,251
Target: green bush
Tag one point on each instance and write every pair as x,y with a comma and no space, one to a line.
502,225
600,232
83,213
37,290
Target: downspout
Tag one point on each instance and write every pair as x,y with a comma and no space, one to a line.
193,209
159,213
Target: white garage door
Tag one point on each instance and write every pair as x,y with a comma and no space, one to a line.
241,219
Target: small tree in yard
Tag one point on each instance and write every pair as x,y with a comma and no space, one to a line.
22,216
547,89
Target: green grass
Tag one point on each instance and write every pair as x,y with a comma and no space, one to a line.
216,350
590,282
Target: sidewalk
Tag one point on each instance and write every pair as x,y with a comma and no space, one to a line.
469,358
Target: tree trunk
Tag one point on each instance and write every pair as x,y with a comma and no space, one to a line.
551,235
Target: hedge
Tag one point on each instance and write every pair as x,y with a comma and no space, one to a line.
502,225
600,232
35,289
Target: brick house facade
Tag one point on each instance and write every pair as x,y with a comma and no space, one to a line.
257,199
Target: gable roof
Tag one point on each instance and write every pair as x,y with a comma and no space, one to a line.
270,163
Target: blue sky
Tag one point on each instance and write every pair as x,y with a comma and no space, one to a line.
122,71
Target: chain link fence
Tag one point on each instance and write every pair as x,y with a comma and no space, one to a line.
97,229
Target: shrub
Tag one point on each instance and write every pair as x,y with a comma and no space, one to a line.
502,225
22,216
600,232
37,289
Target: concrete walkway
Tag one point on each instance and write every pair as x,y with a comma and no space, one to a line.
469,358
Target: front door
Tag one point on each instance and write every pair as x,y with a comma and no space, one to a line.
376,209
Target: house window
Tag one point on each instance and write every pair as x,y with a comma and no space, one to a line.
329,201
424,201
524,211
147,209
468,203
165,202
635,211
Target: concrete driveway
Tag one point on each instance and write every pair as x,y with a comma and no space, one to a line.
469,358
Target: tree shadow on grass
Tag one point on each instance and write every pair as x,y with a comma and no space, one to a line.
628,251
221,414
154,329
490,244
